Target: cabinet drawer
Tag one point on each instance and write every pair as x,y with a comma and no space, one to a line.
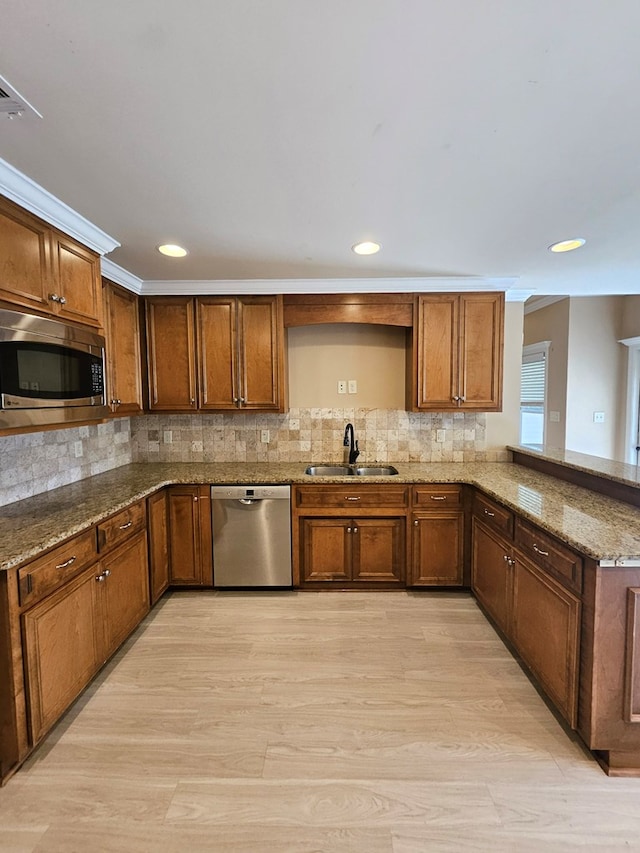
551,555
492,514
42,576
352,496
437,496
121,525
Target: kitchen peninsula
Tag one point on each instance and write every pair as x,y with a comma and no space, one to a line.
590,671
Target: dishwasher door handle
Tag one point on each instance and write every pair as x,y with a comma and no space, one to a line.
249,501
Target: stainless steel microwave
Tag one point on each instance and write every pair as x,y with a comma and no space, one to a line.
50,372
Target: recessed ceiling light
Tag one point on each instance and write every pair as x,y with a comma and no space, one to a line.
567,245
172,250
366,248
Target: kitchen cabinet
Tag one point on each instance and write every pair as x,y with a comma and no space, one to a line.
458,352
437,536
359,549
215,353
241,361
60,649
123,593
79,602
171,353
190,536
353,535
46,271
122,329
158,528
528,582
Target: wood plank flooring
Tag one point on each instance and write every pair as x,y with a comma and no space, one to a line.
305,722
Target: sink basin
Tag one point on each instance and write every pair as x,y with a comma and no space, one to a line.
350,470
376,470
329,470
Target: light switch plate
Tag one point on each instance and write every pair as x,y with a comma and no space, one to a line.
353,386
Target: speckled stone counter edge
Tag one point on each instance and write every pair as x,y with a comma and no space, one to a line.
599,527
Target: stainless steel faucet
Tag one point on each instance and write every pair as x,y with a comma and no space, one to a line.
351,443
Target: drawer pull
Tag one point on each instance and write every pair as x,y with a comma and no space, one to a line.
347,498
490,514
540,551
126,526
68,563
437,498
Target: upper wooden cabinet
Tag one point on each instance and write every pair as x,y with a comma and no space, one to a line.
122,327
44,270
215,353
457,352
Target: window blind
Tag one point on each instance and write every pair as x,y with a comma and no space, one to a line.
532,379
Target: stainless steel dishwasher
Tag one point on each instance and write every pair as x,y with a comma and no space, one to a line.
251,536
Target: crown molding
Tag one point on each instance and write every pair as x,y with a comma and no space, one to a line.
441,284
121,276
541,302
25,192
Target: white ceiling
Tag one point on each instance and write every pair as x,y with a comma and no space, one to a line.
268,137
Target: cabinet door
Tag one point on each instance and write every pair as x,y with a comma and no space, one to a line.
76,279
158,544
546,624
124,591
261,356
436,339
190,536
326,549
124,385
171,353
59,636
437,554
378,549
25,258
481,351
217,335
491,574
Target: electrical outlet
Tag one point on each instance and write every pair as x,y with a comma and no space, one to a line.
167,436
264,436
77,449
440,435
554,417
353,386
342,386
598,417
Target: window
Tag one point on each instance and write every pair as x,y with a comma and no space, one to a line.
533,393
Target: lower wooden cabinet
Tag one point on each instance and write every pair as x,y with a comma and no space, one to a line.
158,533
190,536
60,650
437,536
545,630
491,576
123,593
369,550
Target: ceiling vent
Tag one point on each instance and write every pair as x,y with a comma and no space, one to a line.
12,103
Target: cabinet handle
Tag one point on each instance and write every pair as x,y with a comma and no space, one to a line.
490,514
195,500
455,399
68,563
347,498
193,400
126,526
242,400
462,399
115,402
59,299
100,578
106,573
506,558
355,529
540,551
416,523
437,498
348,530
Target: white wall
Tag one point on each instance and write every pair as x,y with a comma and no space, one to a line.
503,427
594,376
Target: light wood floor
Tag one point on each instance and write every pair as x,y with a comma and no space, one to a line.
368,722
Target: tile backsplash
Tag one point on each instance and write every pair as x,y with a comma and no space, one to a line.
39,461
304,435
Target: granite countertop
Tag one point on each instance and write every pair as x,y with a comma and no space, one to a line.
606,469
599,527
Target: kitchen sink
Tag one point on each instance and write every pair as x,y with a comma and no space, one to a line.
351,470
